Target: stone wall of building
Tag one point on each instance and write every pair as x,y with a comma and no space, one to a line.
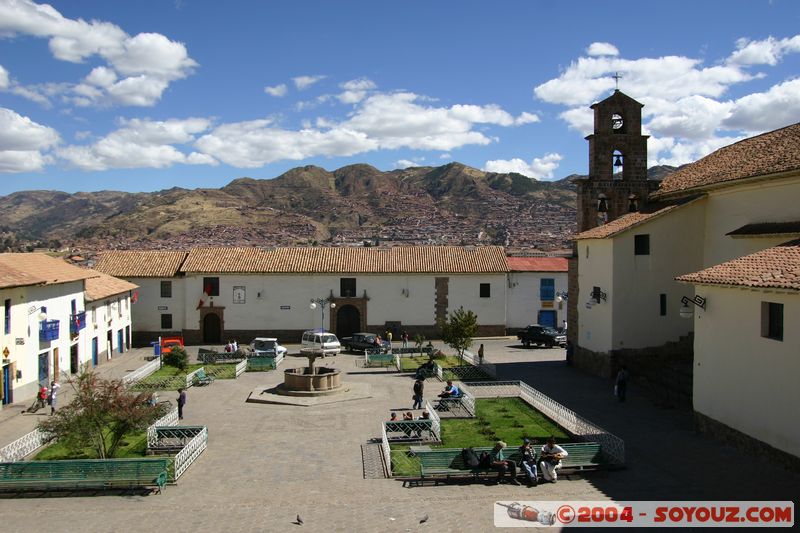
746,443
662,373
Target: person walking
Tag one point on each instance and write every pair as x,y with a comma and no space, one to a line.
419,387
389,337
621,385
404,338
181,402
480,355
53,395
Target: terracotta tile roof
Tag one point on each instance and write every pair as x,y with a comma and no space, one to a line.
766,229
104,286
140,264
37,269
537,264
398,259
621,224
765,154
774,268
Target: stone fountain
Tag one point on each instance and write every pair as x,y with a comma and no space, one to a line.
311,380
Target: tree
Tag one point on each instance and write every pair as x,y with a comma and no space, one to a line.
101,413
176,357
458,330
419,340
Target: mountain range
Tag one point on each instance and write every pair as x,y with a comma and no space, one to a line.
450,204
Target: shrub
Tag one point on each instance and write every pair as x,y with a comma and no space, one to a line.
177,358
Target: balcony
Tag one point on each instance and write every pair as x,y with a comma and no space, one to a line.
48,330
77,322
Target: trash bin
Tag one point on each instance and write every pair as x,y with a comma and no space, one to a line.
156,348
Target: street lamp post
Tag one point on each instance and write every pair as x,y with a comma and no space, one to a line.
321,303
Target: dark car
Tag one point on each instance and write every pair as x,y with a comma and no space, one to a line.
541,335
361,342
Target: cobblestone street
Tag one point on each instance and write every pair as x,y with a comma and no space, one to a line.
267,463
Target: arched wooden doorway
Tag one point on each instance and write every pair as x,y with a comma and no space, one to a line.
348,321
212,329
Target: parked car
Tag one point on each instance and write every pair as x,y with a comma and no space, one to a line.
324,341
364,341
541,335
168,342
267,347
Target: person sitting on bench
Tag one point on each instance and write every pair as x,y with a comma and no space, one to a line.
551,457
529,462
450,392
501,465
393,418
424,370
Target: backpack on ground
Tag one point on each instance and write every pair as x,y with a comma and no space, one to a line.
470,457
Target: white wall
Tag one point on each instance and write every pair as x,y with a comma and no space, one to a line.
676,241
388,301
742,379
524,301
732,208
148,309
595,269
26,304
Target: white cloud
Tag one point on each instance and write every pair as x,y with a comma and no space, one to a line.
141,143
766,52
304,82
526,118
404,163
686,109
355,90
276,90
4,80
147,61
758,112
539,168
446,155
379,121
602,49
23,142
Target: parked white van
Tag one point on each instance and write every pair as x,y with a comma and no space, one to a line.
324,341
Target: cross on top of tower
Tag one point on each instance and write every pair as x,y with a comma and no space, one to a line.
616,77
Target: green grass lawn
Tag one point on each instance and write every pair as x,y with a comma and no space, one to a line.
171,378
410,364
134,445
506,419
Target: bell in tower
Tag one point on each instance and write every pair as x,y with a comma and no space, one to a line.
617,163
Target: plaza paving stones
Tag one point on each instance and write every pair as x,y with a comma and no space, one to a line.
267,463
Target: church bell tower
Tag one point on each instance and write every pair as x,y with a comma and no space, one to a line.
617,182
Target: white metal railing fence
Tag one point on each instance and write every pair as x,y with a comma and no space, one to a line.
436,421
190,376
190,452
142,372
241,367
22,447
612,446
169,419
387,451
397,362
278,359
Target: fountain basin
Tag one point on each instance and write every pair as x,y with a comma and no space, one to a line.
310,381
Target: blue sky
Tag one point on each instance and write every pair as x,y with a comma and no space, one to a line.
153,94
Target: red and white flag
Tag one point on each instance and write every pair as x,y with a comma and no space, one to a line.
206,293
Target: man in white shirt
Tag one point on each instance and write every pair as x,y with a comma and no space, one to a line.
551,457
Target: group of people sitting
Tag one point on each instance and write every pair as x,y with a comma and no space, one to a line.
549,462
232,346
408,415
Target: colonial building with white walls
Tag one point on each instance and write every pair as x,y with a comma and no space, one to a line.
537,290
43,317
630,309
108,317
210,295
747,350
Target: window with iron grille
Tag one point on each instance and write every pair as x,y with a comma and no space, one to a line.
166,321
772,320
486,290
347,287
641,244
166,289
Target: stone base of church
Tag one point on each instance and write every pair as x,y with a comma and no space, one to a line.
742,441
663,373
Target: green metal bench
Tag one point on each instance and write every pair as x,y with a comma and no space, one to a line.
83,474
448,462
261,364
201,378
379,359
